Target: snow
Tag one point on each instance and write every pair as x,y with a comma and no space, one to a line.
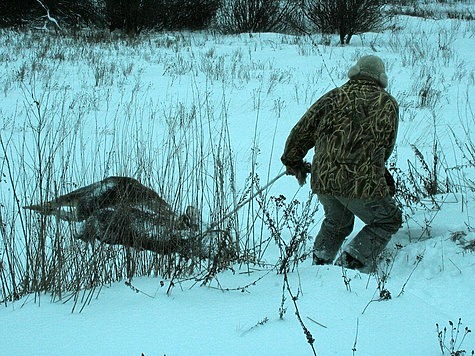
204,321
257,86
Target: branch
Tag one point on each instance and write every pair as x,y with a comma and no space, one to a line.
294,298
48,16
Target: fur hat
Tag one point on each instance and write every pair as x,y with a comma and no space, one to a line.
371,66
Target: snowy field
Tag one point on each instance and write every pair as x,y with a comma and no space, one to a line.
73,112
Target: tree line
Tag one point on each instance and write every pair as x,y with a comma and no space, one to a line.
343,17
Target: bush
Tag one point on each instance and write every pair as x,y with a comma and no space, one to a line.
15,13
134,16
124,15
66,12
73,12
345,17
189,14
238,16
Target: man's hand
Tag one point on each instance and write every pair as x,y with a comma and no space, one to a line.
291,171
300,171
390,182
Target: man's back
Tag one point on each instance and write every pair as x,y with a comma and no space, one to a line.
355,135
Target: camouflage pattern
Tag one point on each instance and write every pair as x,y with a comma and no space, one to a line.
353,131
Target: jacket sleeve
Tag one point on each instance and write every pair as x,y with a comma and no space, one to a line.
302,136
392,110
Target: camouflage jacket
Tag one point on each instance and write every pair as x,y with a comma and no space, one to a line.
353,131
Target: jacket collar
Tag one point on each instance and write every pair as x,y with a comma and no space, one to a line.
365,78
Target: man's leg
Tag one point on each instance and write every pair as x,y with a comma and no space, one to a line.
336,226
382,218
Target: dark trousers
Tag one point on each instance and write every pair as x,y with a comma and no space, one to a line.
381,216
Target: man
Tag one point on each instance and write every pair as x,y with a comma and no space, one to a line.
353,132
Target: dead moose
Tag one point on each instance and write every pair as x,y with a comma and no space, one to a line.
122,211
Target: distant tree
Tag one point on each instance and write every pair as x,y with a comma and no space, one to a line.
75,12
125,15
133,16
66,12
345,17
238,16
186,14
15,13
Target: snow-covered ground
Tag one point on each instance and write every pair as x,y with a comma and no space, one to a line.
111,103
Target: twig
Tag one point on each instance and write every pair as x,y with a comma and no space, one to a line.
346,280
455,265
307,333
136,290
316,322
245,287
356,335
418,260
259,323
48,16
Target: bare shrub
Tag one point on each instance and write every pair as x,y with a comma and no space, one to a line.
133,16
68,12
75,13
452,9
452,338
238,16
295,217
15,13
345,17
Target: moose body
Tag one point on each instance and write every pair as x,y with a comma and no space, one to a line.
122,211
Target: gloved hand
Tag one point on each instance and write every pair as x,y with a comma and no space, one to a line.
390,182
300,171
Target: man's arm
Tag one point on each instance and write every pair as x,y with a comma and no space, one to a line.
302,137
392,112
